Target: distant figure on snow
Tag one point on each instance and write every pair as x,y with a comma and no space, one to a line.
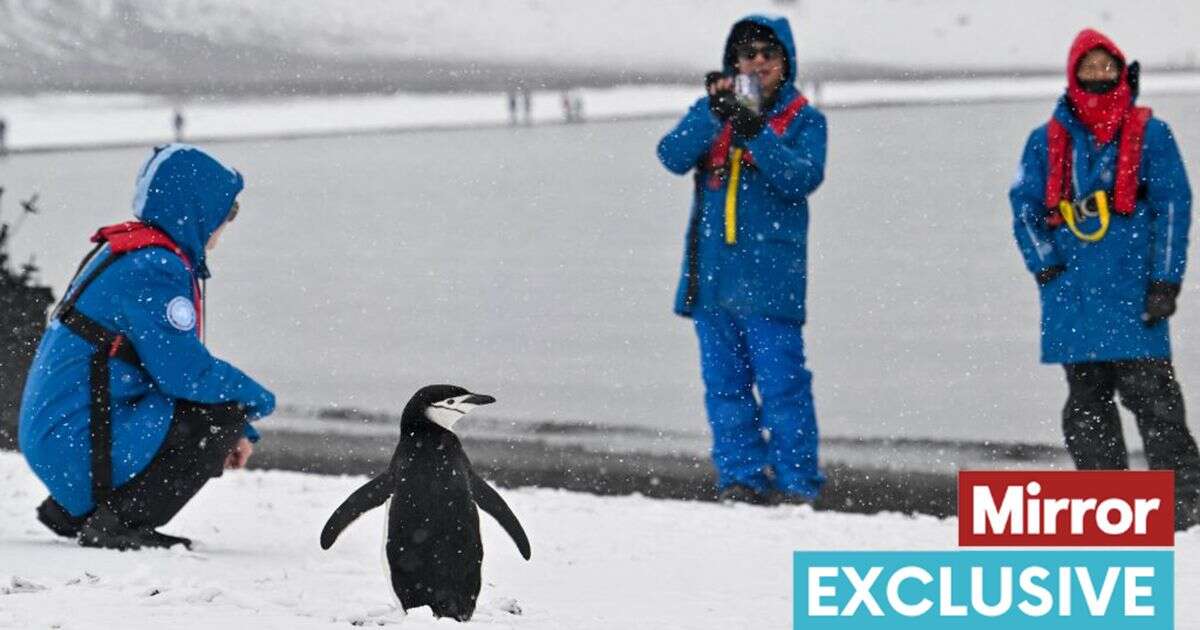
1101,211
577,107
177,123
572,106
568,112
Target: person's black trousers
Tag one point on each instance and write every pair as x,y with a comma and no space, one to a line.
1147,388
200,438
194,451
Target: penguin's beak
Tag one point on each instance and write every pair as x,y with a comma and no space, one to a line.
479,399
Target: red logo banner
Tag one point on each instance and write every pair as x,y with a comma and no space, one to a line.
1066,508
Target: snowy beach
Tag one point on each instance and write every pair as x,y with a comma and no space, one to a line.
68,121
475,192
598,562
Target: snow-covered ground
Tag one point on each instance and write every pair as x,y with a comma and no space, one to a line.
598,562
69,120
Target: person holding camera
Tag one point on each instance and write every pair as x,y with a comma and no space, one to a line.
756,148
1101,209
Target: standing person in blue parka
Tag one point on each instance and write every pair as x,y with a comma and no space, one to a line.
125,414
745,266
1101,209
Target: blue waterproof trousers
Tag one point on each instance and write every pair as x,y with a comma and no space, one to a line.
738,354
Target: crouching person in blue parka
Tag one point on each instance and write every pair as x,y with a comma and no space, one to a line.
1101,210
745,268
125,414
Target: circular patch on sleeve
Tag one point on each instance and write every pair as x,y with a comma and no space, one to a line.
181,314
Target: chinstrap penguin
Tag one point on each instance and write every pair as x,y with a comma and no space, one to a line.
432,547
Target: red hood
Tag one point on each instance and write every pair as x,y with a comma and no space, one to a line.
1101,113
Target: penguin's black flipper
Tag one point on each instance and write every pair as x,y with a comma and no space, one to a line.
491,502
371,495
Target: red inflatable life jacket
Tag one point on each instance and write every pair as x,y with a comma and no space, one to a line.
134,235
1129,163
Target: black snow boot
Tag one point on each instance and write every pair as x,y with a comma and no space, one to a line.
738,493
104,530
789,498
1187,511
57,519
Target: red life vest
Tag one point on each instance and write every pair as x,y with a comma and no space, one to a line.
1129,163
134,235
718,153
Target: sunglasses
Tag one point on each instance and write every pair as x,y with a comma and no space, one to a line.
770,52
233,211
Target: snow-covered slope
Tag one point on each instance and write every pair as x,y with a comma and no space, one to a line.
625,562
373,44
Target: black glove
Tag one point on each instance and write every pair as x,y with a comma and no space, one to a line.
723,104
746,122
1049,273
1160,301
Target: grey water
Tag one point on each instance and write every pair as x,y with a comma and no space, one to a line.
539,265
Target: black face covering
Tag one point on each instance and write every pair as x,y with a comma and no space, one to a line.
1102,86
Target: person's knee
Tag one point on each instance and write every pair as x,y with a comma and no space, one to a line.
219,414
726,377
791,384
777,355
1153,377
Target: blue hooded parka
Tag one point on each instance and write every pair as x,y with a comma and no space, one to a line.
1093,311
765,272
187,194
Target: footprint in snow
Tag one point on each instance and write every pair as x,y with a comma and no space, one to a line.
21,585
508,605
86,578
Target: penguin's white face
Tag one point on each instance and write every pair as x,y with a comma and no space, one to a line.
446,412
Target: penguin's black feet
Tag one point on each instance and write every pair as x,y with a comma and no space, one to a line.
737,493
56,518
104,530
453,606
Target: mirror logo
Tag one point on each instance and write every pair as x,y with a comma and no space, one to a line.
1008,588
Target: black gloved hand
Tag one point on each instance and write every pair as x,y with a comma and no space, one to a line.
1160,301
1049,273
746,122
723,103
